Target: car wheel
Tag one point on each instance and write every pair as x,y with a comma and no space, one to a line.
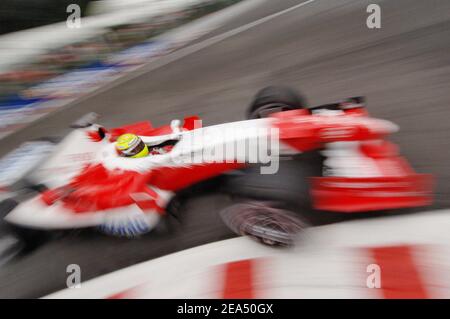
264,222
290,184
29,238
273,99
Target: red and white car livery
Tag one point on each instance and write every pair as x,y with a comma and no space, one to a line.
90,185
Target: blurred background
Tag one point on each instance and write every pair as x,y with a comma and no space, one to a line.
16,15
167,59
38,45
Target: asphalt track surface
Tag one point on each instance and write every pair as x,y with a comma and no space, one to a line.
323,48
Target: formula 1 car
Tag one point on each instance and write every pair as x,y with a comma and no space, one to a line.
82,182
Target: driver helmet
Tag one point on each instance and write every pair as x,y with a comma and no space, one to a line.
131,145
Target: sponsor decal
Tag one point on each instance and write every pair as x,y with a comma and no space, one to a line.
231,145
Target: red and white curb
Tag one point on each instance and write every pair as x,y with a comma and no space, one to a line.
408,257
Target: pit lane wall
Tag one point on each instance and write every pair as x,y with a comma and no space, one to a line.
390,257
49,67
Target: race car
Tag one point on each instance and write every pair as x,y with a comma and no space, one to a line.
83,182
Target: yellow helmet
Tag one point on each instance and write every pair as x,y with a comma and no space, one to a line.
131,145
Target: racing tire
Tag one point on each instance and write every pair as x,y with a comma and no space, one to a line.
6,206
28,237
275,99
290,184
264,222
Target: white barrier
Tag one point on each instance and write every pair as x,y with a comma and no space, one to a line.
390,257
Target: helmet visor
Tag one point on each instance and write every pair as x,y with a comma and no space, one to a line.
134,150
